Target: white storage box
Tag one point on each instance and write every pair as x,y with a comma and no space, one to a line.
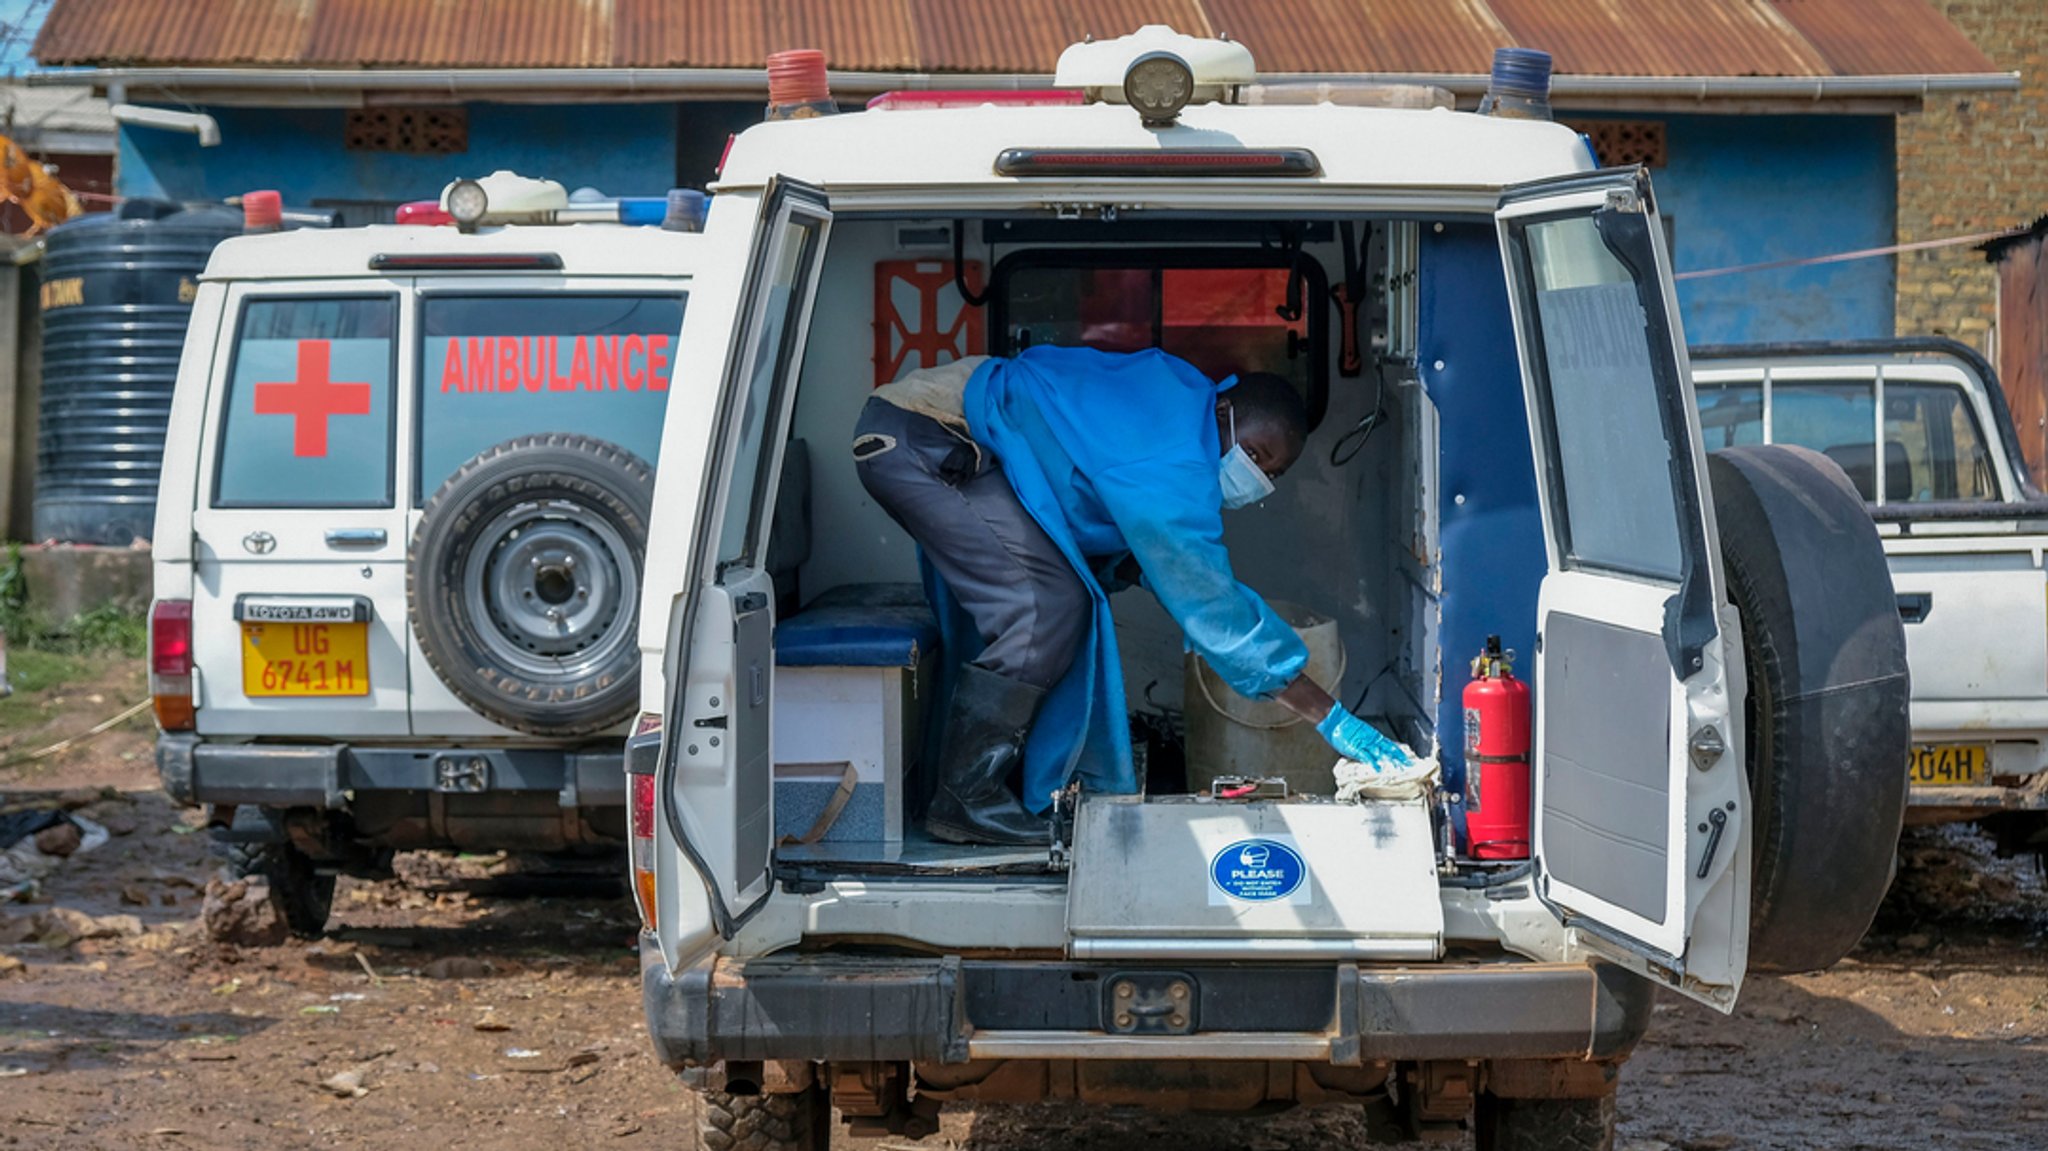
853,673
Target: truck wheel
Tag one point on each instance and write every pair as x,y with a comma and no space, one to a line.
302,897
1543,1124
524,583
801,1121
1828,729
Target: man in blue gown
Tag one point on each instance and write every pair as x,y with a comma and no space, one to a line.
1035,483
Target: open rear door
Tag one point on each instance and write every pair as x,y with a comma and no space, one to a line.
716,763
1640,803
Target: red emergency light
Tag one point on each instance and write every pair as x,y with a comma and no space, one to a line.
423,212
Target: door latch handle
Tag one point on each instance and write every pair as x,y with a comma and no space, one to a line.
1914,606
717,721
356,537
1717,823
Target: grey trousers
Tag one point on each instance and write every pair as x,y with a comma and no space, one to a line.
953,498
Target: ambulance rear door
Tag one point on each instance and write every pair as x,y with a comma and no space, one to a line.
298,609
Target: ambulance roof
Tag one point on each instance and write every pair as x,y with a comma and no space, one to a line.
327,253
1357,147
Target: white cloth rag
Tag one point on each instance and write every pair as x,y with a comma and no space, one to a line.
1357,781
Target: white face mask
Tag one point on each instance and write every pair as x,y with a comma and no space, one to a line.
1243,482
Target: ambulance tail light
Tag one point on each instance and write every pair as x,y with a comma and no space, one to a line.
1219,163
170,664
466,262
423,212
643,753
976,97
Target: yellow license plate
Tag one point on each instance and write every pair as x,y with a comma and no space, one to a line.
305,659
1949,765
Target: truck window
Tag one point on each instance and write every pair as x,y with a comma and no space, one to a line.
1731,415
308,414
495,367
1222,314
1617,481
1933,447
1936,432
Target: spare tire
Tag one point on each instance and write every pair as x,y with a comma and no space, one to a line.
1828,729
524,583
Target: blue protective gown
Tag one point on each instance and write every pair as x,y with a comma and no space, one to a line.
1115,453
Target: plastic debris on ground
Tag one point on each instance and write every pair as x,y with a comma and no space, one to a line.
36,842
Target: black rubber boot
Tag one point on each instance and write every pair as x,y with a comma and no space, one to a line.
984,741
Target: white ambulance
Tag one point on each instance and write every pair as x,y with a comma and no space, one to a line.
398,540
1482,327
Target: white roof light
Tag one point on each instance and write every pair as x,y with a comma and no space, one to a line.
1156,69
503,198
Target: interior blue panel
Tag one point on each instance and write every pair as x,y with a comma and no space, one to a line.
1493,558
859,625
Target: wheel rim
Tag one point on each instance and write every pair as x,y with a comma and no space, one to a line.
551,590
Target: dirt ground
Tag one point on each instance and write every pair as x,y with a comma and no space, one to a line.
471,1006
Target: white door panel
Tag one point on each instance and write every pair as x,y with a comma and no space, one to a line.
1977,625
716,778
303,409
1639,850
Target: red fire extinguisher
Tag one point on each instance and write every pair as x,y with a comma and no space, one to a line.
1496,757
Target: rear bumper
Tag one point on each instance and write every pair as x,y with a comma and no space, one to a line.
335,776
952,1010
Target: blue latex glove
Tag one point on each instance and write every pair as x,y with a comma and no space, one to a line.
1353,738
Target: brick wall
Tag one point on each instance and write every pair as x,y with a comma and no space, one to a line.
1973,163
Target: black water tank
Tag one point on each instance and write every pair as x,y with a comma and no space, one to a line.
117,290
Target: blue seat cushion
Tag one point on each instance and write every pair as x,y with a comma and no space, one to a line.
859,625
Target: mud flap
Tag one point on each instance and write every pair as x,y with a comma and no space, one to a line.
1188,878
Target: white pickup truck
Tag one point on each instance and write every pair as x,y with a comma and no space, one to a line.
1964,529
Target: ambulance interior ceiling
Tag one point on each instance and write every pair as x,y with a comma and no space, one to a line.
1347,540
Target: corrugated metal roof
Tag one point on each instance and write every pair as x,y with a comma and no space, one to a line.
1590,37
1698,37
1881,37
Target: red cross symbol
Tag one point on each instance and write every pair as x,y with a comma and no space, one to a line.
311,399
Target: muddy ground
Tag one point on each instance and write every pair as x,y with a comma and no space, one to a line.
472,1005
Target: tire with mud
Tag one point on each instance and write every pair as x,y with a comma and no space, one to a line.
1828,730
801,1121
523,583
302,896
1543,1124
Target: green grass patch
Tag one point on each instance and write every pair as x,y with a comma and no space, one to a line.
103,630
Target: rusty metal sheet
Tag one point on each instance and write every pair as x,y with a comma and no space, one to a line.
2023,347
1883,37
1636,38
1695,38
212,31
1028,35
1383,36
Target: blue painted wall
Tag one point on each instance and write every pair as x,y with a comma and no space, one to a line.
1752,189
623,149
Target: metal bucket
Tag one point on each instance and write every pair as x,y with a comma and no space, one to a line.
1230,734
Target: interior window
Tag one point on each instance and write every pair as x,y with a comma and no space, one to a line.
1617,477
308,418
781,296
1931,437
496,367
1731,415
1222,318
